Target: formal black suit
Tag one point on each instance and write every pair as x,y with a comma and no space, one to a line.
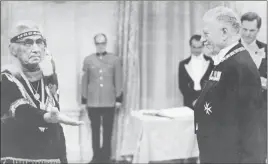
263,66
228,112
186,83
263,73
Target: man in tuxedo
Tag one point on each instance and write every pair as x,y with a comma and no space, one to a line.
251,24
194,71
228,110
102,94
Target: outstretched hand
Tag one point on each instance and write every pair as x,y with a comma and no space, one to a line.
54,116
69,121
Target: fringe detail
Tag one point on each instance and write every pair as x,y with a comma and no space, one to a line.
30,161
14,67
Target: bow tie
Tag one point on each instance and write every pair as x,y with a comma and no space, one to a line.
102,54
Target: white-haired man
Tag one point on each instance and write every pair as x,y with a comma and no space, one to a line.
228,110
30,117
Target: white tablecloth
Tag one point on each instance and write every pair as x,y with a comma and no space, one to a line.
154,138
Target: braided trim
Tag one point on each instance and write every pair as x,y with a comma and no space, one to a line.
16,104
232,53
21,88
23,160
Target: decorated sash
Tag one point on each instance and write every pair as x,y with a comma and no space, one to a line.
216,75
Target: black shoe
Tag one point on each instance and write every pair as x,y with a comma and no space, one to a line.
105,161
94,160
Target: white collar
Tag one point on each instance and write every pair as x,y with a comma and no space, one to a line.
217,58
251,44
201,56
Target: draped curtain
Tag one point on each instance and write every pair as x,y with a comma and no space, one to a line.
152,37
165,28
127,49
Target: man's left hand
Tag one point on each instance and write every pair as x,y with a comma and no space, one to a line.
118,105
264,83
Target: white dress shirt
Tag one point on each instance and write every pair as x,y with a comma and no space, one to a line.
198,66
253,48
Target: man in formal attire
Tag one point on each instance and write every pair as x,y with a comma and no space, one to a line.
194,71
102,94
229,107
251,24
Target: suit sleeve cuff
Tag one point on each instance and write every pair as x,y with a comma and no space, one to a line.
119,98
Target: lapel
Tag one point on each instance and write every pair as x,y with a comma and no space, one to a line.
263,66
260,46
205,67
187,67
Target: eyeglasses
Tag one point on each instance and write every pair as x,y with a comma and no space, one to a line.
101,43
30,42
197,47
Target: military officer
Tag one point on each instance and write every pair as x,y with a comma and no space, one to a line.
102,94
228,110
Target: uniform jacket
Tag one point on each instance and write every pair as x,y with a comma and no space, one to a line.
186,84
102,80
228,110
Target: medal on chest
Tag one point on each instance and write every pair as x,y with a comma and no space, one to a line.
36,95
207,108
215,75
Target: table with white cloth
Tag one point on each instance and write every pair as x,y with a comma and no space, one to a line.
159,135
